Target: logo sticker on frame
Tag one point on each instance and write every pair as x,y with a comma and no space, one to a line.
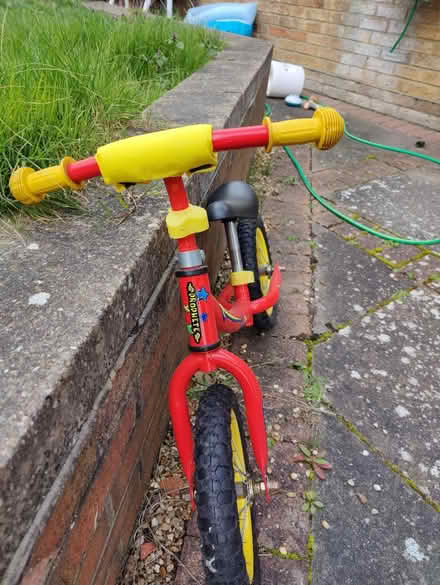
194,312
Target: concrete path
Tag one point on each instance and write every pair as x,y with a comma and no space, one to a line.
352,369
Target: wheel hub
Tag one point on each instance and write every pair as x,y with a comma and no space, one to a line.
265,270
249,489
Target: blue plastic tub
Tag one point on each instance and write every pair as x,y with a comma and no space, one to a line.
237,27
225,16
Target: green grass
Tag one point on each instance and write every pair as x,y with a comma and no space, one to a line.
70,78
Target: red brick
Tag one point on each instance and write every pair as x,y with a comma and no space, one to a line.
410,129
391,123
61,518
37,575
111,560
108,417
93,505
131,454
94,550
152,442
113,459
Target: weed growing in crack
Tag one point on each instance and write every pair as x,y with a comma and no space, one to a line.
281,554
389,464
271,442
310,555
298,366
314,388
311,503
314,459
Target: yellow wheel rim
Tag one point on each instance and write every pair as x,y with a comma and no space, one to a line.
263,260
243,504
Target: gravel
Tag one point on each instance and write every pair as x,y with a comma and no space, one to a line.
161,522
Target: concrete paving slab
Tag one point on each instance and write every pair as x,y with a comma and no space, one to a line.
276,571
345,152
393,538
407,204
347,282
426,269
383,377
363,128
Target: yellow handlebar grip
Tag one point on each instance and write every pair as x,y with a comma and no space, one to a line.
325,129
30,187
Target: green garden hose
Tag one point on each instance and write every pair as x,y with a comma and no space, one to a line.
345,218
410,17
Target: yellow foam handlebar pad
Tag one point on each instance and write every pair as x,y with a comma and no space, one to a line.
169,153
325,129
30,187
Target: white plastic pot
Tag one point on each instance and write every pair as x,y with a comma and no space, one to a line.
285,79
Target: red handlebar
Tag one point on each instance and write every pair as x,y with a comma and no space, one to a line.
226,139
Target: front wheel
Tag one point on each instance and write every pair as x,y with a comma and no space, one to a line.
225,518
255,253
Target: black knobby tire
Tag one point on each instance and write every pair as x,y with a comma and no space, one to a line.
216,500
247,236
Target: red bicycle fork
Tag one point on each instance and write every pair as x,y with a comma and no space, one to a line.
178,406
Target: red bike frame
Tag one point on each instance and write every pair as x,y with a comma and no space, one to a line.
206,316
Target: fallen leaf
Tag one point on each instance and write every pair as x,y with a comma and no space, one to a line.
172,483
318,471
146,549
363,499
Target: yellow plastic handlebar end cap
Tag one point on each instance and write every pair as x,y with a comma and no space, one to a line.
30,187
332,127
18,184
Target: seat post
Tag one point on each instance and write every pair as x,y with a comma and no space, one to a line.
233,245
